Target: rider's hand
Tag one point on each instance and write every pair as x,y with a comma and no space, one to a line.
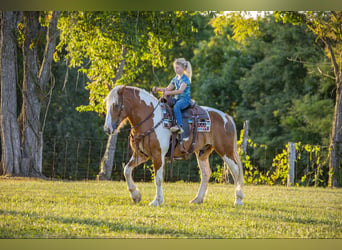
166,93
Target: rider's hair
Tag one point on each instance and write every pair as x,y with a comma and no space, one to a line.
185,65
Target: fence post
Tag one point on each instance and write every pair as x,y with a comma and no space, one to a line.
245,136
291,162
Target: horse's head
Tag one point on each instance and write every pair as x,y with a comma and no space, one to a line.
115,109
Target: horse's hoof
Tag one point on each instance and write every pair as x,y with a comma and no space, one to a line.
136,196
156,203
137,200
196,201
238,202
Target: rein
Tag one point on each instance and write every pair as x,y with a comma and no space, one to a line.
143,121
148,117
140,136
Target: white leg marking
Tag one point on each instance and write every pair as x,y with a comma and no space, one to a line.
158,180
163,137
205,176
135,193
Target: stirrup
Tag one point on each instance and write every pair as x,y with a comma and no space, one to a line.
177,128
174,129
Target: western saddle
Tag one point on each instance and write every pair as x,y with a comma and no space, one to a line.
195,120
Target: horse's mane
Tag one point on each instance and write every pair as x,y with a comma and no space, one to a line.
146,96
114,98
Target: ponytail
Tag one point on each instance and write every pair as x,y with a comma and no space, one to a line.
188,70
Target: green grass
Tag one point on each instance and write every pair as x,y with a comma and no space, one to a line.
55,209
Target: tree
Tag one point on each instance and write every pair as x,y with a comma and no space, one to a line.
109,46
10,136
29,140
220,63
265,81
114,47
327,27
70,137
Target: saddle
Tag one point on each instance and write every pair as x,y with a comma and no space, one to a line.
195,120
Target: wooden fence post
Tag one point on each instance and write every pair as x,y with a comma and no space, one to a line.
245,136
291,162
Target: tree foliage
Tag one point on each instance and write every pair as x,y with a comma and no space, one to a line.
327,27
270,79
280,77
220,63
97,43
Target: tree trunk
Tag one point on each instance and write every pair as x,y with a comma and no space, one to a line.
336,140
336,130
10,136
30,113
34,81
108,158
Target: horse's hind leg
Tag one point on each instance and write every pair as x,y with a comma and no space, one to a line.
134,191
237,172
203,163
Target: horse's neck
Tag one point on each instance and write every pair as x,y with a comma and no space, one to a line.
140,106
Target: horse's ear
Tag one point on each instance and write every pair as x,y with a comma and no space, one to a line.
122,90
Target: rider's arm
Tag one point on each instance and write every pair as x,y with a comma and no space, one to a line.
168,88
177,91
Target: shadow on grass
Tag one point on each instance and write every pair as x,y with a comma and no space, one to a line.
144,231
289,215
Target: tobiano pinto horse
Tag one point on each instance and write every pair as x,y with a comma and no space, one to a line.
150,140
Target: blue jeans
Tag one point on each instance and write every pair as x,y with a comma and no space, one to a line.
180,105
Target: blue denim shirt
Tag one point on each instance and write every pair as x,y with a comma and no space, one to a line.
177,82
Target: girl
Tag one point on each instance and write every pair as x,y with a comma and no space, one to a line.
180,88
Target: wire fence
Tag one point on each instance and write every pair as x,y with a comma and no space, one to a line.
72,158
79,159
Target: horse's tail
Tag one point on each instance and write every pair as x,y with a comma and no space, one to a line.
236,152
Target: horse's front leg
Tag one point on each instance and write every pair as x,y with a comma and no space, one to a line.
134,191
158,180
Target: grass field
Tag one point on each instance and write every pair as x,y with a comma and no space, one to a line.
55,209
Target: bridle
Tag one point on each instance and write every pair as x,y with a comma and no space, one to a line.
136,138
116,122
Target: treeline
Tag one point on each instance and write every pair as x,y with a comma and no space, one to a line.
276,75
273,80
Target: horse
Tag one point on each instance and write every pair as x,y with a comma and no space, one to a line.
150,140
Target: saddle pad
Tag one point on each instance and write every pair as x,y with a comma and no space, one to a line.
188,115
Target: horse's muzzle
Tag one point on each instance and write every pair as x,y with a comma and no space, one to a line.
107,131
110,130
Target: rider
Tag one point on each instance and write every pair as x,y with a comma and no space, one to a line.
181,84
